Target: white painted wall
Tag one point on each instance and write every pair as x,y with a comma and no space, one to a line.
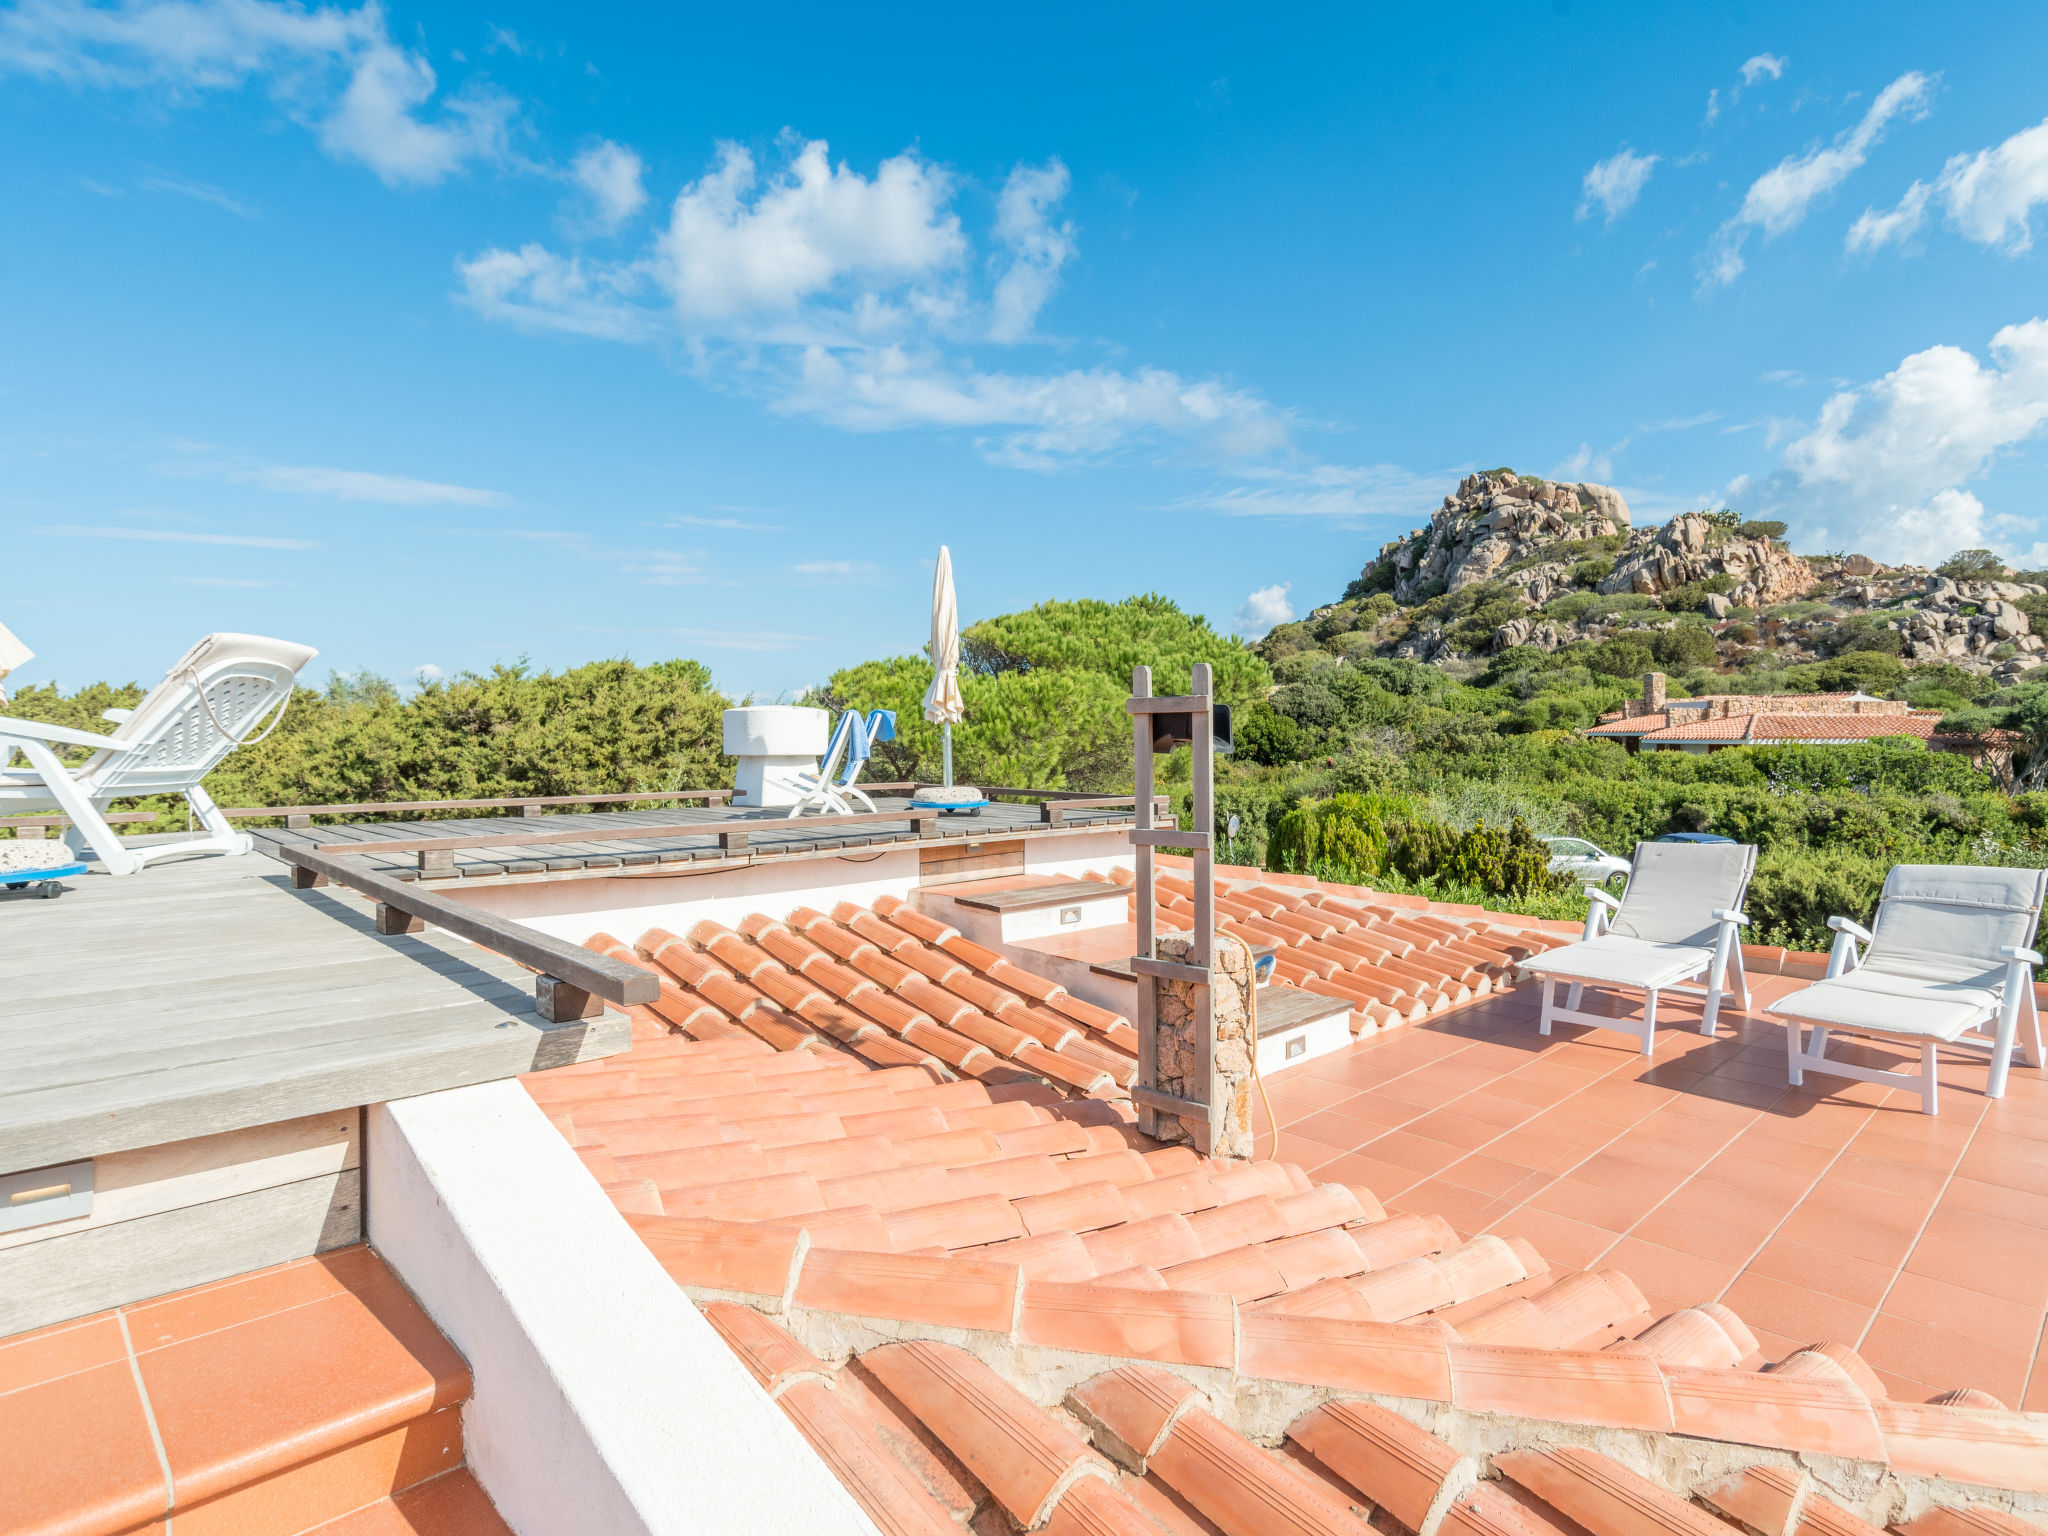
603,1400
627,906
1072,856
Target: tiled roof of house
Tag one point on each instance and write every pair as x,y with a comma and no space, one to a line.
1767,729
831,1153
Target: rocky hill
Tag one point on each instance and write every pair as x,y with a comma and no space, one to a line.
1511,561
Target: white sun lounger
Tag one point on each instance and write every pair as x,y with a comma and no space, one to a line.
1950,952
1680,919
216,698
831,789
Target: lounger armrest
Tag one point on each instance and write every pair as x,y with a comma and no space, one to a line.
42,732
1605,900
1723,916
2014,952
1854,930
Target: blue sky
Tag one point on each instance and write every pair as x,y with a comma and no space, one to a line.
434,336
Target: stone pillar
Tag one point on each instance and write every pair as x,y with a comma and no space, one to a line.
1230,1053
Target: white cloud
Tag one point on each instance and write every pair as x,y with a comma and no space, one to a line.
1038,248
1886,463
199,192
1616,182
727,524
848,298
1264,608
1763,66
736,248
361,485
337,71
427,672
170,536
1345,492
610,176
1988,197
1585,461
1780,198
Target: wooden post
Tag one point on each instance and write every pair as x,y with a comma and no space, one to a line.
732,842
1203,816
436,863
1147,946
529,809
298,823
392,921
559,1003
304,879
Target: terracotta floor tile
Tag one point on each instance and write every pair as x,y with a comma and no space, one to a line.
1484,1104
1385,1180
1848,1232
1918,1184
28,1359
1967,1194
2012,1326
1890,1146
1491,1175
1412,1151
1306,1152
1831,1272
1336,1128
188,1314
1565,1243
1614,1169
244,1402
1801,1157
1724,1242
1768,1181
89,1464
1941,1358
1685,1278
1593,1205
1467,1210
2011,1162
1532,1147
1988,1234
1793,1310
1307,1094
1992,1273
1447,1125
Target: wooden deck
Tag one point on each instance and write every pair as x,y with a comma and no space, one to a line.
206,995
613,842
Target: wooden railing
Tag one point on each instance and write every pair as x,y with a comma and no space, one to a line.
571,981
298,816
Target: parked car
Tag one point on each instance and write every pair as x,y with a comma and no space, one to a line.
1694,837
1586,863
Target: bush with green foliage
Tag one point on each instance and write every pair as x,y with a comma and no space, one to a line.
1972,565
1357,838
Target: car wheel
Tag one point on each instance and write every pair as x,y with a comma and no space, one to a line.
1617,883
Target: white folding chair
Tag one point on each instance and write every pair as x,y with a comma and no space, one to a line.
1680,918
854,739
1949,952
212,701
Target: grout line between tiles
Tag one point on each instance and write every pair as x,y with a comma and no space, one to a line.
1921,1231
156,1439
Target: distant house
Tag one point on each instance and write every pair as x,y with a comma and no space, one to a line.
1716,721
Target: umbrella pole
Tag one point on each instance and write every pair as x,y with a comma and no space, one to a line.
946,736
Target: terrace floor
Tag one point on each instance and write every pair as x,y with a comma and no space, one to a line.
1832,1211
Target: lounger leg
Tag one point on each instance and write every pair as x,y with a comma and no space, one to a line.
1573,996
1794,1047
88,827
1712,1013
2001,1047
1741,979
211,818
1649,1021
1930,1080
2032,1013
1549,1001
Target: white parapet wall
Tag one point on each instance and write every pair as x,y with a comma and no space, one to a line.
603,1400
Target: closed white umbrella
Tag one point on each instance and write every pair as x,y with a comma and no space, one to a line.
943,705
13,653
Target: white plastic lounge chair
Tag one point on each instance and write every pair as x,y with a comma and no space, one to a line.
1951,953
1680,917
215,699
854,739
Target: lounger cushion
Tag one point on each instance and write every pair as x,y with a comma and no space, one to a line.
1947,922
1875,1003
1617,960
1674,889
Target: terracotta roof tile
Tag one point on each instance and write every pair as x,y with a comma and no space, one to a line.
1398,1465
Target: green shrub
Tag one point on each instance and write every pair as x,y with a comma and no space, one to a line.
1621,658
1972,565
1692,596
1684,645
1356,839
1796,891
1263,735
1590,573
1761,528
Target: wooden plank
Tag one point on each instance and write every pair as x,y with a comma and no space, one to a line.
1171,704
505,803
1169,1104
1170,970
147,1180
1031,898
760,827
90,1271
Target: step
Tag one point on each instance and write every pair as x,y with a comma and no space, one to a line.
449,1505
997,912
268,1404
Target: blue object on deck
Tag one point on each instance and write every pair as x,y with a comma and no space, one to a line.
17,879
949,805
